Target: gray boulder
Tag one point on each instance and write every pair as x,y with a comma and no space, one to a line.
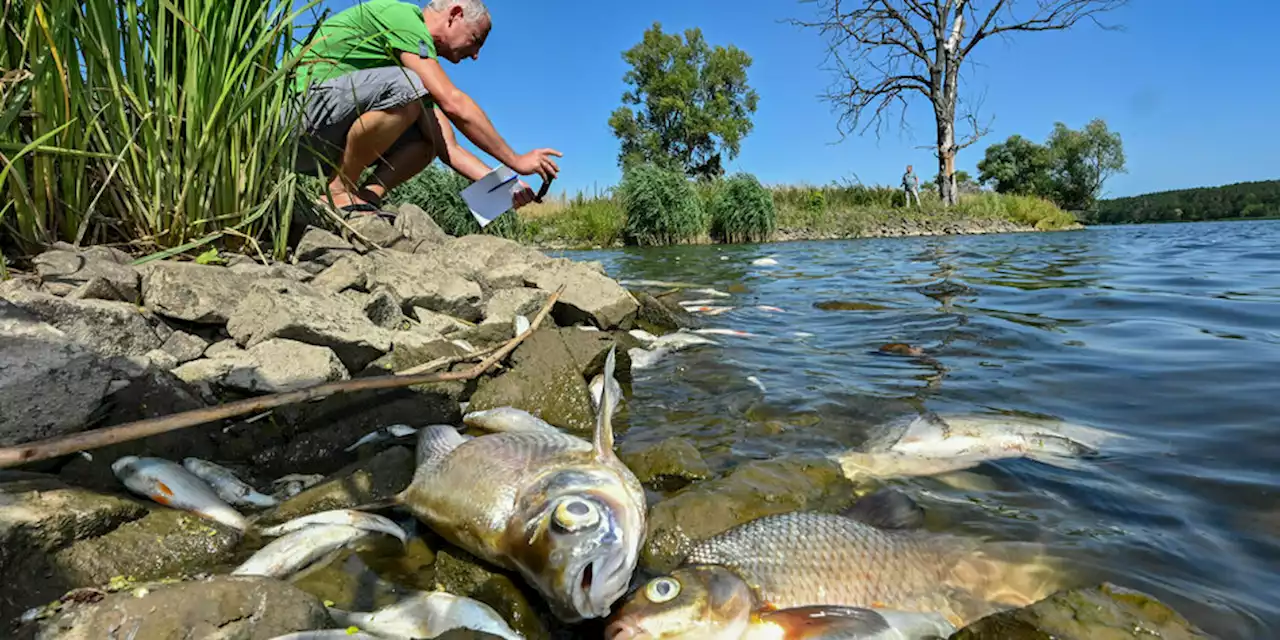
383,309
272,366
320,246
546,380
432,323
277,270
506,304
418,227
49,385
374,229
302,313
184,347
425,281
477,256
589,297
225,607
109,328
192,292
63,271
348,272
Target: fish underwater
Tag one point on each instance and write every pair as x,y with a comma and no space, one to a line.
569,517
822,575
427,614
233,490
172,485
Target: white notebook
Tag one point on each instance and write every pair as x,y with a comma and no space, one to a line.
492,195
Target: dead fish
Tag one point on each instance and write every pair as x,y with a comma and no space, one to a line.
715,293
933,444
286,487
327,634
299,549
597,390
725,332
710,310
172,485
382,434
568,516
680,340
770,309
642,359
697,303
901,349
344,517
643,336
520,324
427,615
917,584
756,381
764,262
225,483
508,420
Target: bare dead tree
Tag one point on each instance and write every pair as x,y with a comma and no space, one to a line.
888,52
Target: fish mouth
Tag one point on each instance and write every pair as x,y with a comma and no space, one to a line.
623,630
599,584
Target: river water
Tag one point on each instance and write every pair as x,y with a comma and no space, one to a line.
1168,334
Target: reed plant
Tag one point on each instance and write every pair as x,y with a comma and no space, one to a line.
741,210
661,207
1025,210
149,124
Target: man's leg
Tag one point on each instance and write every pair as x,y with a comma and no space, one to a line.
370,137
408,156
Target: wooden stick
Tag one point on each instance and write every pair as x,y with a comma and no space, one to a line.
84,441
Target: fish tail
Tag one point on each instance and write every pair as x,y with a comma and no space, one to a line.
604,421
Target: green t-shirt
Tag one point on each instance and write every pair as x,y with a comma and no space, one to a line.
369,34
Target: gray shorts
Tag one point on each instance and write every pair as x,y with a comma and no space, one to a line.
332,107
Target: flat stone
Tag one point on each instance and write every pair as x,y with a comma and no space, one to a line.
103,289
20,282
668,465
49,384
371,480
588,296
415,224
438,323
277,270
505,304
383,309
349,272
424,281
507,275
286,365
224,607
221,348
302,313
63,271
192,292
109,328
476,255
184,347
323,247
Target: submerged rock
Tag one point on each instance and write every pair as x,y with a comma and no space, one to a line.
227,607
463,575
668,465
163,543
660,317
1106,612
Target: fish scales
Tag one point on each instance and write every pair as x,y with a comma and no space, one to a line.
801,559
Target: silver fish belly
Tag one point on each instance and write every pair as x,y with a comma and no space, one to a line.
289,554
225,483
427,615
344,517
172,485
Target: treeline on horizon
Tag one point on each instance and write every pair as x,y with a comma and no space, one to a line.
1259,199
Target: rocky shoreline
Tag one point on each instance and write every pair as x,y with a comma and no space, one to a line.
89,340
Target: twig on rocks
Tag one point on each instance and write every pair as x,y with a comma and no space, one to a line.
63,445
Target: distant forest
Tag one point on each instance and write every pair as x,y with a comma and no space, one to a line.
1241,200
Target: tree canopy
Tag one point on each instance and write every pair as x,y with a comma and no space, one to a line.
1241,200
688,106
1071,168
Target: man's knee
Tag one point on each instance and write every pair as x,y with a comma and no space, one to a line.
409,111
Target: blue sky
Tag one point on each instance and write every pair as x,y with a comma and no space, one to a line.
1193,92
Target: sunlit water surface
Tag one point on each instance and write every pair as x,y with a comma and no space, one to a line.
1169,334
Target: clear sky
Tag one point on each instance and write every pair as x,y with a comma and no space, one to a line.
1193,88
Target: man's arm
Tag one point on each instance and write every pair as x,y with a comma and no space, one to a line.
436,127
473,122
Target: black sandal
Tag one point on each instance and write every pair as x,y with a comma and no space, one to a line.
363,209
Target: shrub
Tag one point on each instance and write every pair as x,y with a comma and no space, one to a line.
661,206
438,191
1027,210
742,210
596,222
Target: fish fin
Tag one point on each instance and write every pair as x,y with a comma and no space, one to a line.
887,509
604,416
435,442
379,505
841,623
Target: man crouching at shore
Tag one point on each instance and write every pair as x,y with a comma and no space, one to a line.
377,97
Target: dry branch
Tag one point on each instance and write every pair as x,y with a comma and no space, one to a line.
84,441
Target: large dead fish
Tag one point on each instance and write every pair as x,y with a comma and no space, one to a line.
170,484
933,444
427,614
774,576
563,512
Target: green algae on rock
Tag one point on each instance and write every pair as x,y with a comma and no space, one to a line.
668,465
546,380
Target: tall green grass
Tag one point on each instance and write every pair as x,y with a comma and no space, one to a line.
437,190
1025,210
148,123
741,210
661,207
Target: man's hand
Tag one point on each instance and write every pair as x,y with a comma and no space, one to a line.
538,161
524,195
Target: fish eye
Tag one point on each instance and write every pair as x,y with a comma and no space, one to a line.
662,590
576,515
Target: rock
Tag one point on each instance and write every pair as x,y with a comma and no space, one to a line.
546,380
505,304
300,312
102,289
508,275
348,272
225,607
109,328
372,480
1106,612
277,270
184,347
383,309
374,229
462,574
408,354
320,246
286,365
668,465
221,348
424,281
192,292
357,298
751,491
589,297
434,323
49,385
415,224
589,350
63,271
659,317
161,359
19,282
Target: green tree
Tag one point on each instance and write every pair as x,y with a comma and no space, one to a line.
1083,161
1018,166
688,106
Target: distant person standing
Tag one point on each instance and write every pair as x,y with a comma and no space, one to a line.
911,186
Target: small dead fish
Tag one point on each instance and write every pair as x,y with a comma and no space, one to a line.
344,517
298,550
643,336
715,293
770,309
225,483
464,345
697,303
170,484
901,349
521,324
382,435
597,390
587,327
427,615
764,262
508,420
710,310
756,381
642,359
286,487
725,332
